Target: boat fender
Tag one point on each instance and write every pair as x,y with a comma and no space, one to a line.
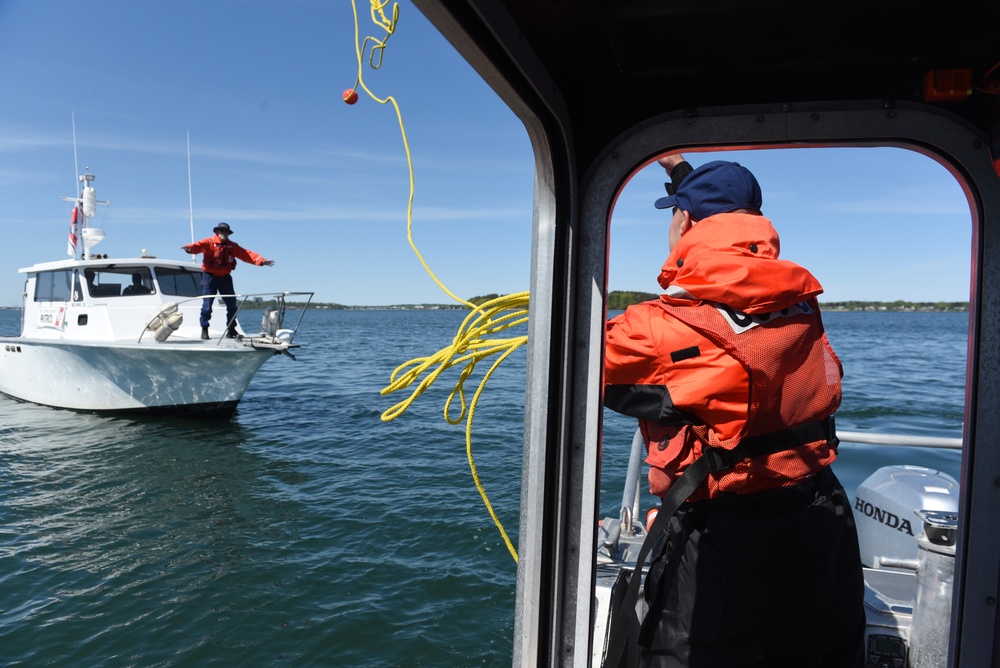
171,324
157,320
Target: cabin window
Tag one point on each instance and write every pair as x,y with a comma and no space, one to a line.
179,282
118,281
141,282
54,286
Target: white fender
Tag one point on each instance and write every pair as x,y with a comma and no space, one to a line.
160,318
171,324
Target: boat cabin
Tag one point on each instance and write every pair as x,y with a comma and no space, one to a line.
101,300
603,89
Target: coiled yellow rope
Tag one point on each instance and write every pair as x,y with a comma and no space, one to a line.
472,343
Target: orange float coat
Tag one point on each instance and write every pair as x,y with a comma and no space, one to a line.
734,348
220,256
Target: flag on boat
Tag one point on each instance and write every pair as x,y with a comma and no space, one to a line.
73,229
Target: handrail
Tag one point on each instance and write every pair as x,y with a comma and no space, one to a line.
277,296
630,495
899,439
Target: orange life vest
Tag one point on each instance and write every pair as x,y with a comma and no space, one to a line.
793,379
698,373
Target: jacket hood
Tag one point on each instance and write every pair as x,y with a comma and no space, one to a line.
732,258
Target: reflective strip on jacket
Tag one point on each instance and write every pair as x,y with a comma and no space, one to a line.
734,348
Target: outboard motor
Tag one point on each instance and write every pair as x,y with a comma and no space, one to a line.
886,505
907,518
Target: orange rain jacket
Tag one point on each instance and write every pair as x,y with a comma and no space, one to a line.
220,256
734,348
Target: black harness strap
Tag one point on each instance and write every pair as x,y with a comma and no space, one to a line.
714,460
767,444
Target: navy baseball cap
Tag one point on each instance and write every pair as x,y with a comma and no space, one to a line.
715,187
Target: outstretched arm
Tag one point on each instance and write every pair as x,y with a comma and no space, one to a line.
251,257
195,248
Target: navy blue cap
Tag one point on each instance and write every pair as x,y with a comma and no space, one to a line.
715,187
222,227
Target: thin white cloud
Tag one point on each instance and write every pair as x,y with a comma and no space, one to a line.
156,216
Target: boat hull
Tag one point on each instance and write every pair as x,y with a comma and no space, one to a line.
187,377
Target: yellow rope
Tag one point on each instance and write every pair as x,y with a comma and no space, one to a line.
472,343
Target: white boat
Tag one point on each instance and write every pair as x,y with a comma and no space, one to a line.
121,335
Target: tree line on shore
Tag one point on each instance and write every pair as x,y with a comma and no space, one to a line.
618,300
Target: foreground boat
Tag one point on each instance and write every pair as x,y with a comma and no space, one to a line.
120,335
605,88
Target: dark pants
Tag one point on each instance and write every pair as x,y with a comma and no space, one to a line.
213,285
769,579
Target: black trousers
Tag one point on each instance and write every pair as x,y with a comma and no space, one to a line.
770,579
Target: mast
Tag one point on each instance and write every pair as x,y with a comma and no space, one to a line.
86,203
76,160
190,198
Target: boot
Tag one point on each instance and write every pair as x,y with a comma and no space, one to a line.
204,333
231,332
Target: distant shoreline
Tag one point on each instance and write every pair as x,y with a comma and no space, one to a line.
619,305
917,307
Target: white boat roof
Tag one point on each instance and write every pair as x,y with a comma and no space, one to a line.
105,262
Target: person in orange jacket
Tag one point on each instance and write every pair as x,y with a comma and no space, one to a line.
734,384
218,262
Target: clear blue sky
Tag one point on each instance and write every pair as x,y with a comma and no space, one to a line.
321,187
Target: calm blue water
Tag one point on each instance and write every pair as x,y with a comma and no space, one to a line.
306,532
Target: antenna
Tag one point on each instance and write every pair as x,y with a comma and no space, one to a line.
76,160
190,198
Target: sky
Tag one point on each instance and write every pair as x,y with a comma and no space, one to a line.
321,187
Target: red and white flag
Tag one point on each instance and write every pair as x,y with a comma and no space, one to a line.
74,228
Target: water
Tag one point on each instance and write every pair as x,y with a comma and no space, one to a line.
306,532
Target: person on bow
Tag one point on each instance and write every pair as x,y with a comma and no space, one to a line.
755,561
218,262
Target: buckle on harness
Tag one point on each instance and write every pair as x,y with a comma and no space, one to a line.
720,460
